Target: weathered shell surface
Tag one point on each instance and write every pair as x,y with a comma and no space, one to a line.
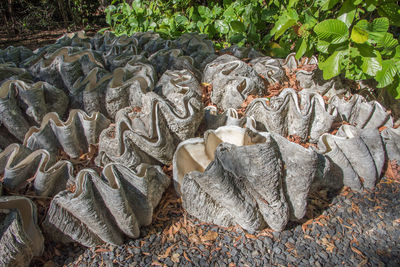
21,238
38,155
9,71
232,81
15,54
197,47
362,113
23,104
391,139
104,208
164,120
358,156
225,188
304,114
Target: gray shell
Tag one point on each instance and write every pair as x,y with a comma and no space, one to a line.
104,209
391,139
357,155
15,54
361,113
164,120
232,81
23,104
197,47
38,155
304,114
219,178
21,238
10,71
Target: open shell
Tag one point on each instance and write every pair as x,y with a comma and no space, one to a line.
164,120
362,113
221,183
104,208
23,104
304,114
21,238
358,156
232,81
38,155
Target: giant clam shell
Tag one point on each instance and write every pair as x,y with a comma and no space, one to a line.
66,65
197,47
21,238
104,208
219,178
304,114
391,139
37,156
10,71
232,81
127,86
34,99
164,120
361,113
15,54
358,156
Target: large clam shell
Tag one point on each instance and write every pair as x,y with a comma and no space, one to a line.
104,208
23,104
37,156
362,113
305,114
164,120
232,81
358,155
21,238
236,176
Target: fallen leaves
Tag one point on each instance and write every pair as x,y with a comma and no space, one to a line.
206,94
393,171
209,236
166,253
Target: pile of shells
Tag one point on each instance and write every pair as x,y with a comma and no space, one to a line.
130,104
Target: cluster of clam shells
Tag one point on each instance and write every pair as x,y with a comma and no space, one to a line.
139,99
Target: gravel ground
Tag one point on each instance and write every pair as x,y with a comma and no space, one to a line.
343,229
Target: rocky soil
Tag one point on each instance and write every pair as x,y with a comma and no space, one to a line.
341,229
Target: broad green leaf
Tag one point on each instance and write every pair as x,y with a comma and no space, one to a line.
394,88
322,46
385,76
380,25
204,11
347,12
371,65
387,42
332,66
229,13
302,49
333,31
285,21
236,38
397,55
221,26
238,26
181,20
327,4
359,35
391,11
201,26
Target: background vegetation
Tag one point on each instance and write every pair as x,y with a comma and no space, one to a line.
354,38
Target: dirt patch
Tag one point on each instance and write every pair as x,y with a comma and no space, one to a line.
35,40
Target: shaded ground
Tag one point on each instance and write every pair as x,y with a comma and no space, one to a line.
351,229
35,40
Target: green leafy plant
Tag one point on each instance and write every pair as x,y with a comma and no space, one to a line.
353,38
